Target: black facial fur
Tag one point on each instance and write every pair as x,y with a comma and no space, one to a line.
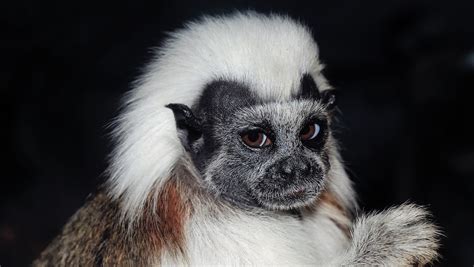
310,90
285,175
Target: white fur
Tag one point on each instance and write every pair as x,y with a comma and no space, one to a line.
398,236
239,238
269,53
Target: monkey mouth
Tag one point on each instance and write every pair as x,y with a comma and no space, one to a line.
297,192
287,199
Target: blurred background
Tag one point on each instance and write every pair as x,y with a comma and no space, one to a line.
405,71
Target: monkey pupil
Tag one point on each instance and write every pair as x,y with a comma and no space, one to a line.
253,136
306,129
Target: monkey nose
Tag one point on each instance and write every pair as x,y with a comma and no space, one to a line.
292,169
289,167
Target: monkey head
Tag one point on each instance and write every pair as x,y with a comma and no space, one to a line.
271,154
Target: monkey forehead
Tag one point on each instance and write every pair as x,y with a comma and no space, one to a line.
281,114
269,53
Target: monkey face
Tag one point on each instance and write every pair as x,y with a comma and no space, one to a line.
275,151
258,153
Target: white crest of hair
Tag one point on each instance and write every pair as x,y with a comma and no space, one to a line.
268,53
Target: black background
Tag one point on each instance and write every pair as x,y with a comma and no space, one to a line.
405,70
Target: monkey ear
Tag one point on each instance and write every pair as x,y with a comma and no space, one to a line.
309,90
189,126
328,98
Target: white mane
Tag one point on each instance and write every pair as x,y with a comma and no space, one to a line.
269,53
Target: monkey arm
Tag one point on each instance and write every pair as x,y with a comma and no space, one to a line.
398,236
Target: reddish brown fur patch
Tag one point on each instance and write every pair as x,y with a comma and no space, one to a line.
95,236
165,224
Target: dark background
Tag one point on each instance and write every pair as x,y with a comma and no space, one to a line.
405,70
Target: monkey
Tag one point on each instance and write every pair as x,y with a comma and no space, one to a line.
225,154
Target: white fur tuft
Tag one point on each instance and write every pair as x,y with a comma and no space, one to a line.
268,53
399,236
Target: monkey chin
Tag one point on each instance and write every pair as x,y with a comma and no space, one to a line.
288,199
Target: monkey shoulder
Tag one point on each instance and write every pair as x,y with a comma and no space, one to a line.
92,236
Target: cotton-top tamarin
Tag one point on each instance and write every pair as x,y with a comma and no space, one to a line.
225,155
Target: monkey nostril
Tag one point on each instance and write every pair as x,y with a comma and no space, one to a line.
287,170
306,169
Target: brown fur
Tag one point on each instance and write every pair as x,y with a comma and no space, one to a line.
167,225
94,235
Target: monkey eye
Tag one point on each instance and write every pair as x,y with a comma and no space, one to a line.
310,131
255,139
